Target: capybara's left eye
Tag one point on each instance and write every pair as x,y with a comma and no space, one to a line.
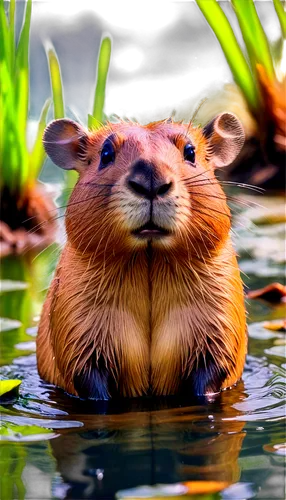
107,155
189,153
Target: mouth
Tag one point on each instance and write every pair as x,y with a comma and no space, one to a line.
150,230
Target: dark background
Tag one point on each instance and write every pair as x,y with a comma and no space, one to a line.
160,55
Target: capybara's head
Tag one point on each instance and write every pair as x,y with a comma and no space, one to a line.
141,185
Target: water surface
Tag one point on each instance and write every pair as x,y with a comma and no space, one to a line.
82,450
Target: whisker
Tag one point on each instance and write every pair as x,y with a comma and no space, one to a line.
43,250
244,186
210,182
233,199
212,210
69,204
54,218
232,183
208,214
201,103
210,227
81,201
186,179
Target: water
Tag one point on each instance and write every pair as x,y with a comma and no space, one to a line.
73,449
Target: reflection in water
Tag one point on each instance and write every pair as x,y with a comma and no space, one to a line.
102,448
122,446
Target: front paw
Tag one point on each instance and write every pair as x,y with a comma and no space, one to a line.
207,377
92,382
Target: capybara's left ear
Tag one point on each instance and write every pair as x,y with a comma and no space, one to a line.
65,142
225,137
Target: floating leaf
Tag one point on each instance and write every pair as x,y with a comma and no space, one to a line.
41,423
9,386
277,449
260,267
33,330
201,487
26,346
269,211
275,326
7,324
280,341
12,286
276,350
258,331
275,293
26,433
173,491
156,491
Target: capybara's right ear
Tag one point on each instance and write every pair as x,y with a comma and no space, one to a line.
225,136
66,143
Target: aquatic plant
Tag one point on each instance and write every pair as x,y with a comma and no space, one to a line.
7,386
24,204
94,120
26,210
261,83
97,118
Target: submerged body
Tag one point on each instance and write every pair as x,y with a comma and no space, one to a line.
147,296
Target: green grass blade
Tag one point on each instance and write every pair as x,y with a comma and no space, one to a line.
231,49
18,167
93,123
14,157
12,33
22,70
37,155
56,83
4,35
254,36
9,151
2,127
280,11
101,78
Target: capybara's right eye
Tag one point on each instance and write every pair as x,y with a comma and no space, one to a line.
107,155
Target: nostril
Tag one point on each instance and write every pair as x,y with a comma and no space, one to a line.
138,188
164,189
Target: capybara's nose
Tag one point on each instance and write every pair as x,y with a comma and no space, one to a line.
145,182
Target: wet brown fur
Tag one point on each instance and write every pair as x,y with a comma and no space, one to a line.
151,313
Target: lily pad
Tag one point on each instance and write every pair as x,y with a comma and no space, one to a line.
26,346
42,423
158,490
261,267
173,491
261,331
24,433
268,213
7,386
276,350
275,326
203,487
278,449
273,293
12,286
33,330
7,324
